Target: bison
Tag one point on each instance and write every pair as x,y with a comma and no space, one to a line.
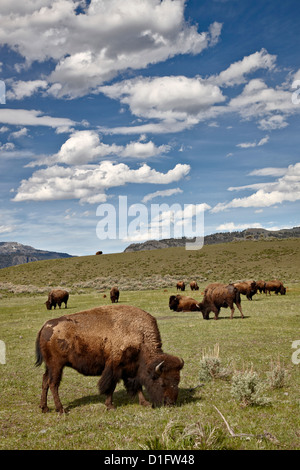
180,286
181,303
247,288
219,295
276,286
57,297
261,286
194,285
114,294
115,342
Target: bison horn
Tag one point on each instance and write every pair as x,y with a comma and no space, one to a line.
158,367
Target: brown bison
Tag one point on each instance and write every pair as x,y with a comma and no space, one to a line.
99,253
247,288
219,295
181,303
115,342
276,286
261,286
57,297
180,286
114,294
194,285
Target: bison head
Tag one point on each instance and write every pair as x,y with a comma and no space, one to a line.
48,305
163,379
173,302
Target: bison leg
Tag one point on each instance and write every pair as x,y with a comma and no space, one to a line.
142,399
45,388
55,378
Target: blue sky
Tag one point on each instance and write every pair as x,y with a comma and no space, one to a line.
165,102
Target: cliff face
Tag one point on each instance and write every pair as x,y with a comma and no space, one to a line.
13,253
222,237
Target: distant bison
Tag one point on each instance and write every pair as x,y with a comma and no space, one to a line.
181,303
247,288
99,253
115,342
216,296
276,286
180,286
261,286
57,297
194,285
114,294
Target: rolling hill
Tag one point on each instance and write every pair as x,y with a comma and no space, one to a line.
224,262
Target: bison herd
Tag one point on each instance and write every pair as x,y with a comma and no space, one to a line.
218,295
122,342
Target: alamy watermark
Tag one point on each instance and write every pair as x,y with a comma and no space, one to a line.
296,354
138,223
2,352
295,95
2,92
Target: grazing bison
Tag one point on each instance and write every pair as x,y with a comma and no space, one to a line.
57,296
181,303
99,253
276,286
114,294
180,286
261,286
194,285
218,295
115,342
247,288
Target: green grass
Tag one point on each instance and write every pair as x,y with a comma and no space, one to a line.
266,334
146,280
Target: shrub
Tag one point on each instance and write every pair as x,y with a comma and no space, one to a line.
247,388
277,375
211,366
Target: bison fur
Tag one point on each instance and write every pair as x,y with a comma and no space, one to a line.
115,342
57,297
181,303
216,296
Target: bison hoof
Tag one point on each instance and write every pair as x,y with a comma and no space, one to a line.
45,409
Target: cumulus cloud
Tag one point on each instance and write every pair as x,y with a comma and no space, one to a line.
88,183
176,101
86,40
85,147
232,227
22,89
235,73
285,189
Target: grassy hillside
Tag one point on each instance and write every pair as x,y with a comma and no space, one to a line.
160,268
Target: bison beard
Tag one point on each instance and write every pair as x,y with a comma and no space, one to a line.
114,342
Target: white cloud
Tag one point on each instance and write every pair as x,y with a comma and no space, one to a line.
88,183
88,47
232,227
85,147
177,101
17,134
270,171
273,122
285,189
25,117
22,89
262,141
165,193
235,73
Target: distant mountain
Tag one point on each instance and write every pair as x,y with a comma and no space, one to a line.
13,253
222,237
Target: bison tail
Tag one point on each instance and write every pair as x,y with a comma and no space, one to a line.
38,354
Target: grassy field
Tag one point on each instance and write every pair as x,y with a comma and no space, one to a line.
257,343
